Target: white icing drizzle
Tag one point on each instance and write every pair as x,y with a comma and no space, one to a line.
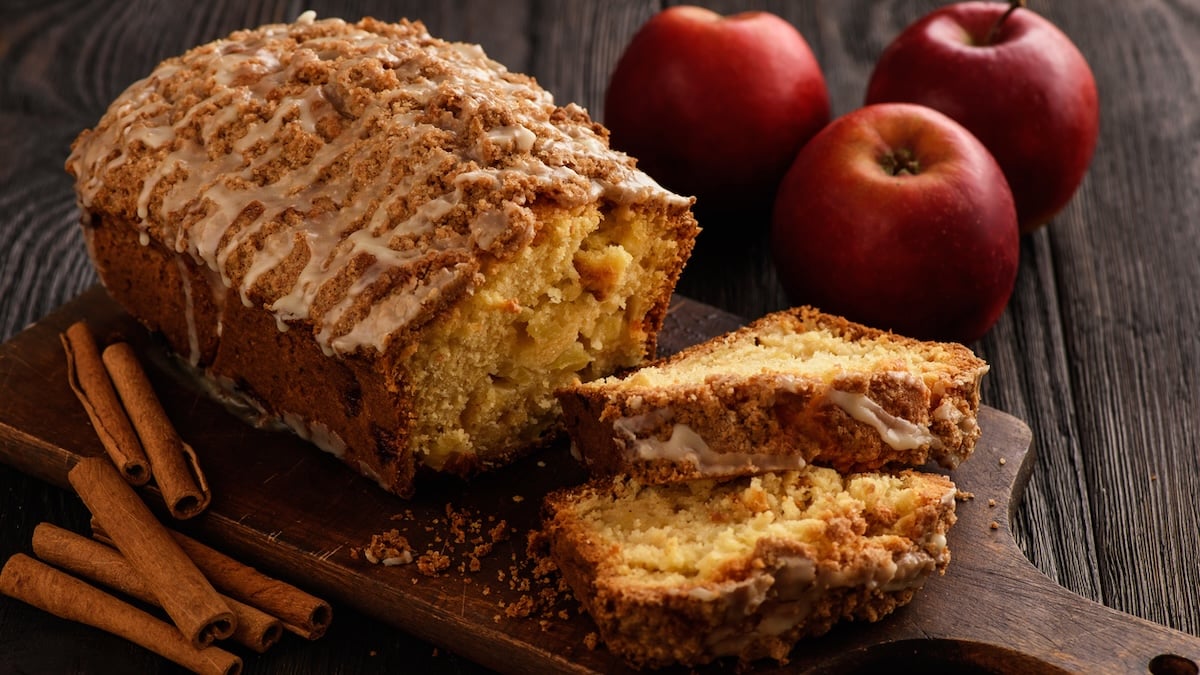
948,412
685,446
316,433
786,596
201,181
366,470
189,313
217,292
897,432
515,136
404,558
385,318
225,391
275,248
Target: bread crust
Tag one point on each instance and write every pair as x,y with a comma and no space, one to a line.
748,424
363,418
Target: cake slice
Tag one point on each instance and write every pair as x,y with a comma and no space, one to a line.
688,573
794,387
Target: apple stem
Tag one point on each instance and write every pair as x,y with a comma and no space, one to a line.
900,162
1013,5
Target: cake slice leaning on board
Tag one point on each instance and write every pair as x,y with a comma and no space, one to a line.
793,388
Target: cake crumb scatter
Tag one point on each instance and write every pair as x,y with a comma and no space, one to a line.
388,548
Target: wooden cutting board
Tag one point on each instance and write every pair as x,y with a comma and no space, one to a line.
298,513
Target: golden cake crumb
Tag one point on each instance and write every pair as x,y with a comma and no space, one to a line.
431,563
388,548
523,607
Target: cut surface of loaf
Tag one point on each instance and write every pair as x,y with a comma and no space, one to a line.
795,387
386,241
691,572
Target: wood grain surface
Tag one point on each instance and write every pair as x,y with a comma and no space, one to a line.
299,515
1098,350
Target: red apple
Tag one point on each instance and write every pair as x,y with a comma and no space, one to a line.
897,217
1021,86
716,106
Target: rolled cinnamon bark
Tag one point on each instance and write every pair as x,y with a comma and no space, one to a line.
94,389
173,462
302,614
181,589
64,596
96,562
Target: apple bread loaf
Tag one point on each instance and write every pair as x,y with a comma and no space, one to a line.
794,387
688,573
386,241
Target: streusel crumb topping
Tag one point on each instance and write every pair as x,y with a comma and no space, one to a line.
352,177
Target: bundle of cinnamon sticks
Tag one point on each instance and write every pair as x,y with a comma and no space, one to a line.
136,555
131,422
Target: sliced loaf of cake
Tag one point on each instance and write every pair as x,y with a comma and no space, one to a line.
793,388
688,573
386,242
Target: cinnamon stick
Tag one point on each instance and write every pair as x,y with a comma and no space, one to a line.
176,470
96,562
180,588
66,597
90,382
301,613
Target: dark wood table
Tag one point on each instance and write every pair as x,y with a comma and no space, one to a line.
1099,350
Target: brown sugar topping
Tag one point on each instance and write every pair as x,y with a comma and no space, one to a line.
356,177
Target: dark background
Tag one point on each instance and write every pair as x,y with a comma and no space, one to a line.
1098,350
